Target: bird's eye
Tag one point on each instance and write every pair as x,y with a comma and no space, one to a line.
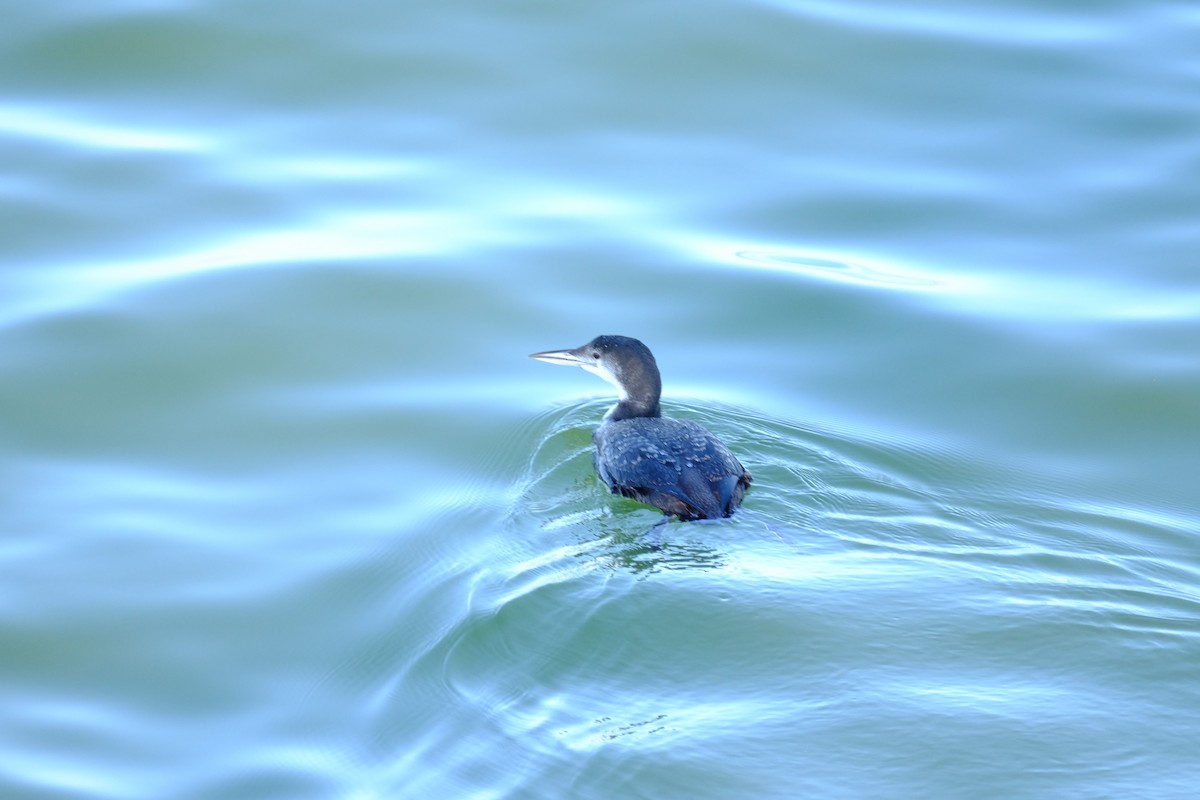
595,355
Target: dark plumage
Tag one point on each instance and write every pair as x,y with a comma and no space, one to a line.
675,465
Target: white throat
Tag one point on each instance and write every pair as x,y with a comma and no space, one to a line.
598,368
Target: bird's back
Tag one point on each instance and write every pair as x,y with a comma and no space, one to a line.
673,464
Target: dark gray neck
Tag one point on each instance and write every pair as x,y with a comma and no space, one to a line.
633,408
641,385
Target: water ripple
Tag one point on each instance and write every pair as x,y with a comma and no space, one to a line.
838,270
66,127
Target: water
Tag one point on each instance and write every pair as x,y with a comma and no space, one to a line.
287,512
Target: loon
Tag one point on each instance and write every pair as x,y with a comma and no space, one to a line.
674,465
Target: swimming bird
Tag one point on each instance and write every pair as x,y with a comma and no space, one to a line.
674,465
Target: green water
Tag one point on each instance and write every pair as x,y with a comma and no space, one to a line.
287,513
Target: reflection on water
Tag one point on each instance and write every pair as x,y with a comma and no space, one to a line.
651,552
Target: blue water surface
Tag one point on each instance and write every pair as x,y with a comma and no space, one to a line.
288,513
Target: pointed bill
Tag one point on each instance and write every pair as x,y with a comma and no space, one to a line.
569,358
